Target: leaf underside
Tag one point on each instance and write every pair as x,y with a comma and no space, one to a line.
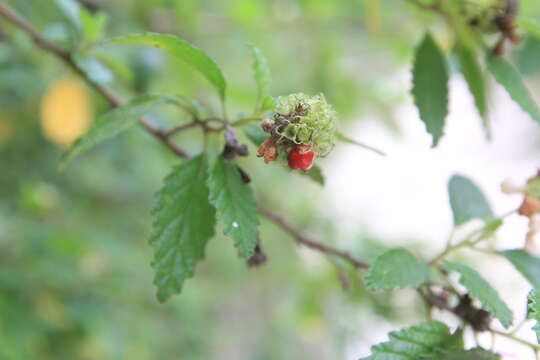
467,201
180,49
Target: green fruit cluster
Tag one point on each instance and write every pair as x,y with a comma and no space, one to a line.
306,120
483,14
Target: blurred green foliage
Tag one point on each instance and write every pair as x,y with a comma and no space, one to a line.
75,279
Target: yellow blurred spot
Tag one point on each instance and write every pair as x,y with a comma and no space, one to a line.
50,309
312,329
66,111
91,348
373,16
6,131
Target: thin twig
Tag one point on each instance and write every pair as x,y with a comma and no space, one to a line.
181,128
67,58
306,241
516,339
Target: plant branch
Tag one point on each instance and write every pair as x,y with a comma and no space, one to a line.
516,339
308,242
67,58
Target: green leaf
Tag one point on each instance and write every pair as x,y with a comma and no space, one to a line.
235,204
315,174
93,26
262,75
534,311
413,343
467,201
396,268
94,69
181,49
341,137
526,264
473,74
480,289
255,134
531,25
510,79
472,354
113,123
527,57
430,86
72,11
268,103
183,223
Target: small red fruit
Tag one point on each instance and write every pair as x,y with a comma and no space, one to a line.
301,158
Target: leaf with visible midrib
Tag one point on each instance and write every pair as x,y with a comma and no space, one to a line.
415,342
481,290
184,221
430,87
113,123
396,268
467,201
511,80
526,264
473,74
235,204
261,72
181,49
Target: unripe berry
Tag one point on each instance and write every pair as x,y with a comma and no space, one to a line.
301,158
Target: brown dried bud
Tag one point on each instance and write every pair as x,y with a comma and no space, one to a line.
479,319
529,207
268,150
267,124
258,258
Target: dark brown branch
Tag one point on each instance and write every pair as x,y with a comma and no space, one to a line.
67,58
306,241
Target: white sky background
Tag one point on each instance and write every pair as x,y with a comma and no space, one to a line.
404,196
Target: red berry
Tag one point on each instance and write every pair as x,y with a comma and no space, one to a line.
301,158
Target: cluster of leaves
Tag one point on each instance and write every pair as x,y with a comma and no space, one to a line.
210,187
431,76
398,268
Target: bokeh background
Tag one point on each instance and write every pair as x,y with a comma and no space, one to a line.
75,276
